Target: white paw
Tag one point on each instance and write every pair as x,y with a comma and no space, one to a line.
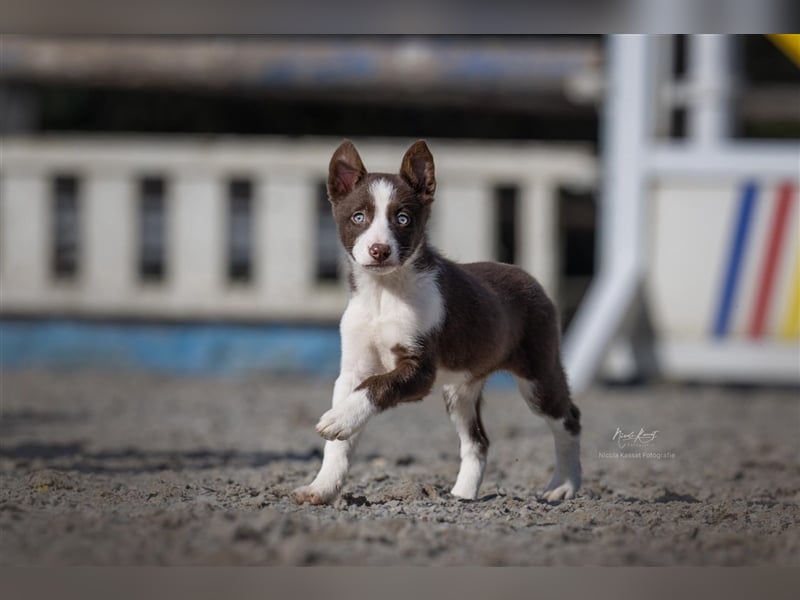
560,490
308,494
463,492
346,418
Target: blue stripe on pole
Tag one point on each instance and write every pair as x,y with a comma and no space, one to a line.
747,202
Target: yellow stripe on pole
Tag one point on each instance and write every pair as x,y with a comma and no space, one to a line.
789,43
790,328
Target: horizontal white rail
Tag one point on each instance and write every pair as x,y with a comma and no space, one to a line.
774,159
485,160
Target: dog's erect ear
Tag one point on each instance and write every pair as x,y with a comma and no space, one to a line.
345,171
417,170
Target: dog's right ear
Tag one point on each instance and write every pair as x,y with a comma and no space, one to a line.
345,171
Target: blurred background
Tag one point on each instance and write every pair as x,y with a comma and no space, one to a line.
163,207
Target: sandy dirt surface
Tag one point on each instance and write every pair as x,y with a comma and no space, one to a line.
104,469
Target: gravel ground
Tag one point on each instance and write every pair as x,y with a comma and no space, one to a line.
113,469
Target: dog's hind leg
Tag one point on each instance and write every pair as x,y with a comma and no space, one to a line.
463,402
549,397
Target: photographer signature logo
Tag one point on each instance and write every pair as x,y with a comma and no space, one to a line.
634,439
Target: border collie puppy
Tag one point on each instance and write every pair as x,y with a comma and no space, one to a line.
416,320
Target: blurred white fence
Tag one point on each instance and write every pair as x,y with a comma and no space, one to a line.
103,228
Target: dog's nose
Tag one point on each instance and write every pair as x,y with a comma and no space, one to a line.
380,252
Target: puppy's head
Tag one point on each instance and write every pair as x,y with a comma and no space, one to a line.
381,217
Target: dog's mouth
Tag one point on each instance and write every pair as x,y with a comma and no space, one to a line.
380,267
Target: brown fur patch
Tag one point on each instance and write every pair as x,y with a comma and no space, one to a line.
572,421
410,380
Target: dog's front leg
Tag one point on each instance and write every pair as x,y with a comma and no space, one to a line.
336,460
411,379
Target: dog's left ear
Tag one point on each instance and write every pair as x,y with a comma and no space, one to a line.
417,169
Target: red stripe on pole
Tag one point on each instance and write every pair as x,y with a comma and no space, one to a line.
767,282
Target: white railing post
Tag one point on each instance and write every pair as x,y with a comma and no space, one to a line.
194,238
710,89
109,253
287,244
626,121
26,241
538,235
465,220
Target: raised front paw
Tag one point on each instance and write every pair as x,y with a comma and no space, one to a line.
346,418
333,426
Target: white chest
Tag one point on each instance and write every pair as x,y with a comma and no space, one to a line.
378,318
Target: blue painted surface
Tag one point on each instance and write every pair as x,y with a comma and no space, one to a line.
739,239
216,349
194,348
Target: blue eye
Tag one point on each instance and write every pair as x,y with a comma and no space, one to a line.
403,219
358,218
